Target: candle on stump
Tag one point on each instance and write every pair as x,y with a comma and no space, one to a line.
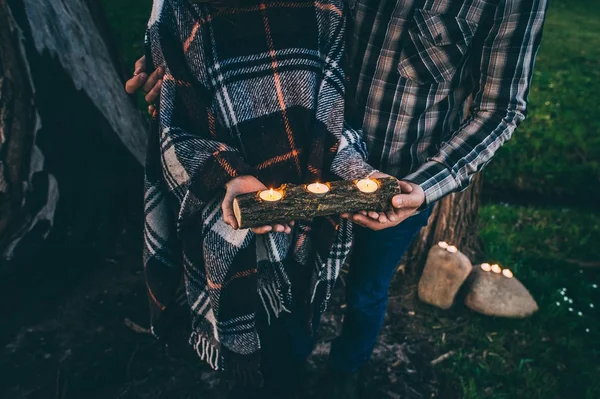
318,188
486,267
507,273
367,185
452,249
443,244
496,269
270,195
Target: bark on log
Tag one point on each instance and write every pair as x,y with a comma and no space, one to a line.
298,203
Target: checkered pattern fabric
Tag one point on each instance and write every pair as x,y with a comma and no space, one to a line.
413,63
257,90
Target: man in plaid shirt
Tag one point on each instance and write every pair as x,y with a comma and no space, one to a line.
413,65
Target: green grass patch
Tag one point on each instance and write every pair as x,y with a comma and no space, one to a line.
554,353
557,149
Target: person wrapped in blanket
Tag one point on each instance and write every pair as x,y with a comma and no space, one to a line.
252,97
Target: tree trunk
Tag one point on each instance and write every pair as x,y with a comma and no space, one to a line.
64,117
454,220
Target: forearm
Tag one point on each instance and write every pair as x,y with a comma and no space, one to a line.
503,73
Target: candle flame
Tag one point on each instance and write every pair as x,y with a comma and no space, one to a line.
496,268
486,267
452,249
271,192
507,273
443,244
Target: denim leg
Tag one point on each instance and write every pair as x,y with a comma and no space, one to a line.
376,255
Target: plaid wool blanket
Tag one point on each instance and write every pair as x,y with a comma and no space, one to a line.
256,90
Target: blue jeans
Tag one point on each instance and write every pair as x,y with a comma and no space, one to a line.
375,257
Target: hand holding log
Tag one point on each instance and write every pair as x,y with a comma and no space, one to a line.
296,202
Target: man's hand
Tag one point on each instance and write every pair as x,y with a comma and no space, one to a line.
150,84
242,185
405,205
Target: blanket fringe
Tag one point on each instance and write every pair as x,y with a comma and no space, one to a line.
206,350
273,304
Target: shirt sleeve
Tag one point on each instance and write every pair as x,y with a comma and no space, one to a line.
195,163
504,73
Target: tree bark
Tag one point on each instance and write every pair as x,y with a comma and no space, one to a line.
298,204
65,121
454,220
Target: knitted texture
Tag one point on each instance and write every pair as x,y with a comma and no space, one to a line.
256,90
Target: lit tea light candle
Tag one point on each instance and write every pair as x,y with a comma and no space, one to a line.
443,244
270,195
486,267
367,185
496,269
507,273
452,249
318,188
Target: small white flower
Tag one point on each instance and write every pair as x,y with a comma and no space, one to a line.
592,305
579,314
570,301
557,303
570,309
566,299
595,285
587,330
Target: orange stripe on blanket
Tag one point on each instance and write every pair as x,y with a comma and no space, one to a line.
278,159
328,7
225,165
245,273
278,88
156,301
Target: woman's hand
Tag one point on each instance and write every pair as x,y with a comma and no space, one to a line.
150,84
242,185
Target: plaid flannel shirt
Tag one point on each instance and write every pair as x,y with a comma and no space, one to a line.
413,65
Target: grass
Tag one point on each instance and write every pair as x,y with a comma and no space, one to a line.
556,153
554,353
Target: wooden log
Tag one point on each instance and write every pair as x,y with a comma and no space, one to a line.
298,203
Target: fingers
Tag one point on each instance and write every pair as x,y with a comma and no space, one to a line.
392,217
262,229
140,66
407,201
151,109
367,222
373,215
227,207
405,187
135,83
154,93
383,218
153,79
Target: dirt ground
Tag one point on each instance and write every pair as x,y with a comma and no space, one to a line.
87,344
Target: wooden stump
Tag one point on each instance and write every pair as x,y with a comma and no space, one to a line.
493,294
299,204
445,272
